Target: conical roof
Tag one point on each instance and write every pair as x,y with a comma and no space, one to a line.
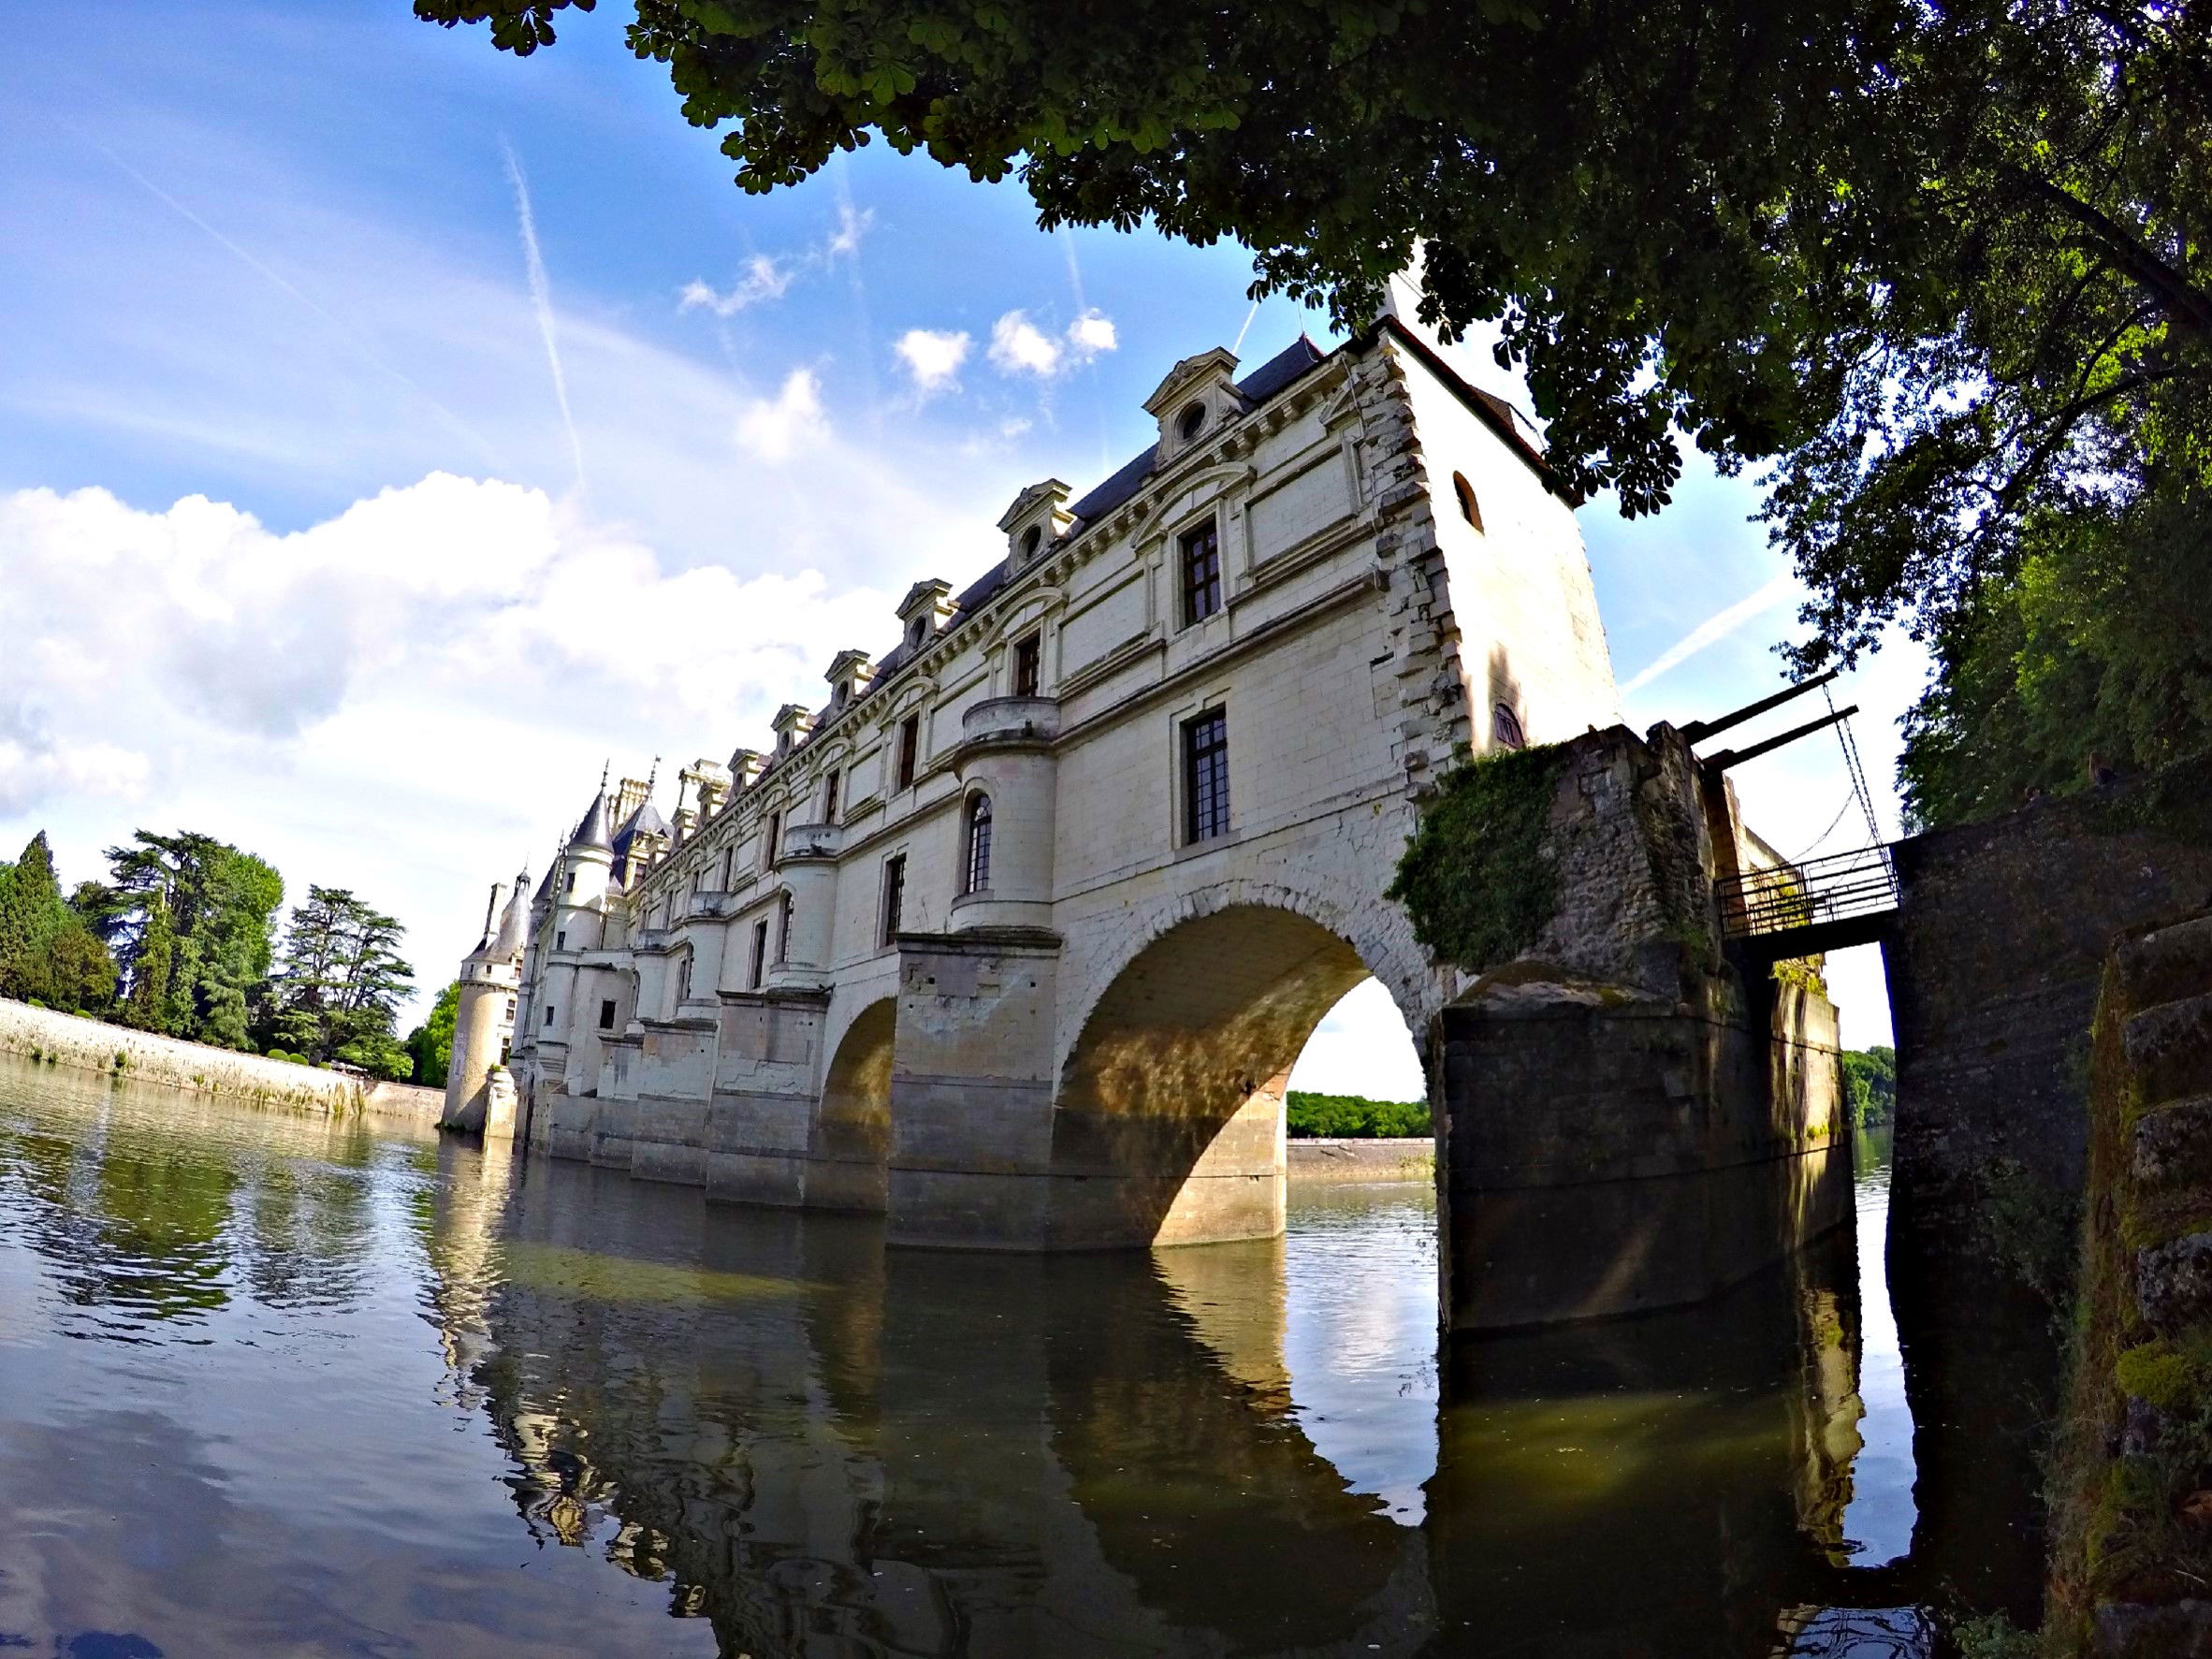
514,920
592,835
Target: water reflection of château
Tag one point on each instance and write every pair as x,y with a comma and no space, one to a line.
827,1447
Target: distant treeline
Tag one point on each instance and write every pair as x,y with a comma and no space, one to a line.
1869,1086
183,939
1355,1117
1869,1091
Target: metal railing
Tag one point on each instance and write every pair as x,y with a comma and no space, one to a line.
1837,888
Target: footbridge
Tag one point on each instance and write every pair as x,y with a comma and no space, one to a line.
1014,936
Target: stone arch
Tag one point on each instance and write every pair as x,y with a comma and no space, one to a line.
849,1147
1168,1111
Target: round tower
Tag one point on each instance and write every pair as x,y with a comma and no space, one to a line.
483,1016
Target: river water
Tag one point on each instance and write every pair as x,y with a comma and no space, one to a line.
272,1385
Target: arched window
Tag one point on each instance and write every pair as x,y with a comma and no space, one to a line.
1191,422
1465,491
1504,728
1031,539
979,845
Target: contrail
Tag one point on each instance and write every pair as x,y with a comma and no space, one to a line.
541,300
343,329
1713,629
1245,329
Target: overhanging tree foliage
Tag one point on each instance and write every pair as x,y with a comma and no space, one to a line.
1940,266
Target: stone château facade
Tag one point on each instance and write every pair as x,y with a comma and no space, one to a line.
1015,937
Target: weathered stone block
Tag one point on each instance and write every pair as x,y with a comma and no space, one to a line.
2173,1143
2174,1281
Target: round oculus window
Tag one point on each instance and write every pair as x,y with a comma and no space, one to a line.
1192,421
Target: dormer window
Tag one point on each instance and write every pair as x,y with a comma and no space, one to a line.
927,604
1197,395
1038,514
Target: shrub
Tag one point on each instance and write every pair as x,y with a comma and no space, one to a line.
1471,877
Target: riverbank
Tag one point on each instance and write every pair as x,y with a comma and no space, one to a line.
55,1039
1322,1159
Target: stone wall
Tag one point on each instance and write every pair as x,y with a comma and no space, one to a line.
2003,932
1632,1123
91,1045
1322,1159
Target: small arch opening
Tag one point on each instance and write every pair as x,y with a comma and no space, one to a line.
1032,539
1470,509
1504,728
1191,422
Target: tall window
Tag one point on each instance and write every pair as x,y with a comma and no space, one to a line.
569,885
760,953
829,796
783,929
1205,777
1028,665
548,1016
979,845
894,896
683,980
910,748
560,939
1201,574
771,835
725,875
606,1015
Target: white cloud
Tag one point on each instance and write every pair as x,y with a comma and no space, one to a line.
776,429
409,697
1091,333
762,279
933,357
844,241
1019,346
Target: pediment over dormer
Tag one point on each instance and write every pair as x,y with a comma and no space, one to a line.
1197,397
926,607
1038,517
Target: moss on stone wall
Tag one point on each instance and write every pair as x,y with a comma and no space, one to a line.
1471,877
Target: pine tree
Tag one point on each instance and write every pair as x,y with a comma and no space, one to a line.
154,955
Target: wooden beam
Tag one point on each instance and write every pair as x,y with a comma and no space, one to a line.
1697,731
1732,757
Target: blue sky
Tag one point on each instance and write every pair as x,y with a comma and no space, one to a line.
391,429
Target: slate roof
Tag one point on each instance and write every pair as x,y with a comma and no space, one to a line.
1279,371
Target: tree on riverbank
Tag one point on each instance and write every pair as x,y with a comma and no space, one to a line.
1939,266
190,920
47,952
1354,1116
432,1043
340,983
1869,1086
